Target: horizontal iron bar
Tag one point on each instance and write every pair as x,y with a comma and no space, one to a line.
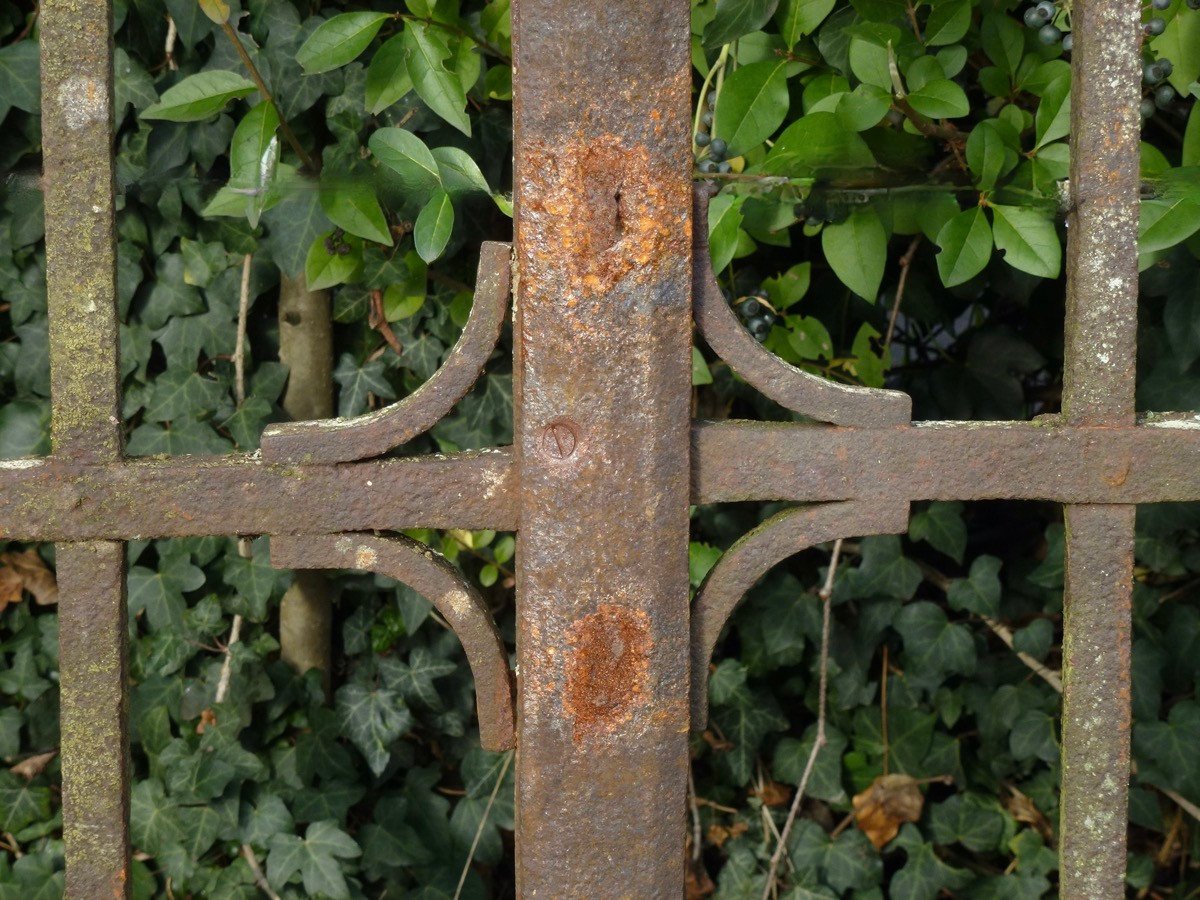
1158,461
54,500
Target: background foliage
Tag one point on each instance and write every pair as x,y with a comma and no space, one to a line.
893,186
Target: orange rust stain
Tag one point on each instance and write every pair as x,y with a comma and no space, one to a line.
606,669
1119,478
599,211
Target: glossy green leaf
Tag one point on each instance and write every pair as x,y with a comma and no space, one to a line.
387,75
966,246
339,40
735,18
1028,239
434,224
856,249
352,205
940,100
425,57
458,172
797,18
323,269
406,155
199,96
753,104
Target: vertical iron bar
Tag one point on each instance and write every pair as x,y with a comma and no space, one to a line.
77,139
1098,389
603,335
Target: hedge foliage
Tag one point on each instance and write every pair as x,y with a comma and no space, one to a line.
893,186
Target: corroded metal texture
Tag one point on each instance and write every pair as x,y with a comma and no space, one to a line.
1155,462
430,575
1098,389
81,248
790,387
1096,698
603,323
784,534
77,137
373,434
47,500
95,743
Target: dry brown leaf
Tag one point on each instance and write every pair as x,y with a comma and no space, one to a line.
773,793
1025,811
888,803
25,571
33,766
697,884
719,834
207,717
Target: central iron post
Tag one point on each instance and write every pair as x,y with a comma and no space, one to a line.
603,327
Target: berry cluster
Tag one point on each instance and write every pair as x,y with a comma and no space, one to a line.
1154,75
716,148
1041,17
757,314
335,244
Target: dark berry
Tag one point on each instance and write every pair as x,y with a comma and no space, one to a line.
1068,42
1155,26
711,100
1049,35
1166,66
1152,73
761,293
343,249
1034,18
1193,4
749,308
1147,108
759,329
330,248
769,317
717,149
724,168
702,138
707,118
1163,96
1160,4
1048,9
708,167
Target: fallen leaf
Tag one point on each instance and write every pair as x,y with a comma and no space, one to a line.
888,803
773,793
25,571
207,717
719,834
1025,811
697,884
33,766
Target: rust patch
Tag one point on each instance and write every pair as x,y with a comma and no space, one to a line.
606,670
601,209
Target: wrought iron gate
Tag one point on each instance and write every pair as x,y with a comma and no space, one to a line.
611,268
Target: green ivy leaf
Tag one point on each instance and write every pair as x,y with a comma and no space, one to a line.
315,858
339,40
856,250
933,644
753,104
20,83
200,96
425,56
924,875
941,526
979,592
373,720
434,224
357,381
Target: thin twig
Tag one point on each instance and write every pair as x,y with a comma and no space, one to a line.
1005,634
239,354
255,76
905,264
487,811
697,835
256,870
235,633
169,44
883,709
826,595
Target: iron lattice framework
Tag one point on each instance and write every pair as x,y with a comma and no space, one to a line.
611,268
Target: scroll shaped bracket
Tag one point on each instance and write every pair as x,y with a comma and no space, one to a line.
428,573
784,534
790,387
373,434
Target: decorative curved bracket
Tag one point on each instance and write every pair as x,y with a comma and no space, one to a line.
743,564
790,387
430,575
373,434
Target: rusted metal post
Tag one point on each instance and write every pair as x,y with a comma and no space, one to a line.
1098,389
77,137
603,335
